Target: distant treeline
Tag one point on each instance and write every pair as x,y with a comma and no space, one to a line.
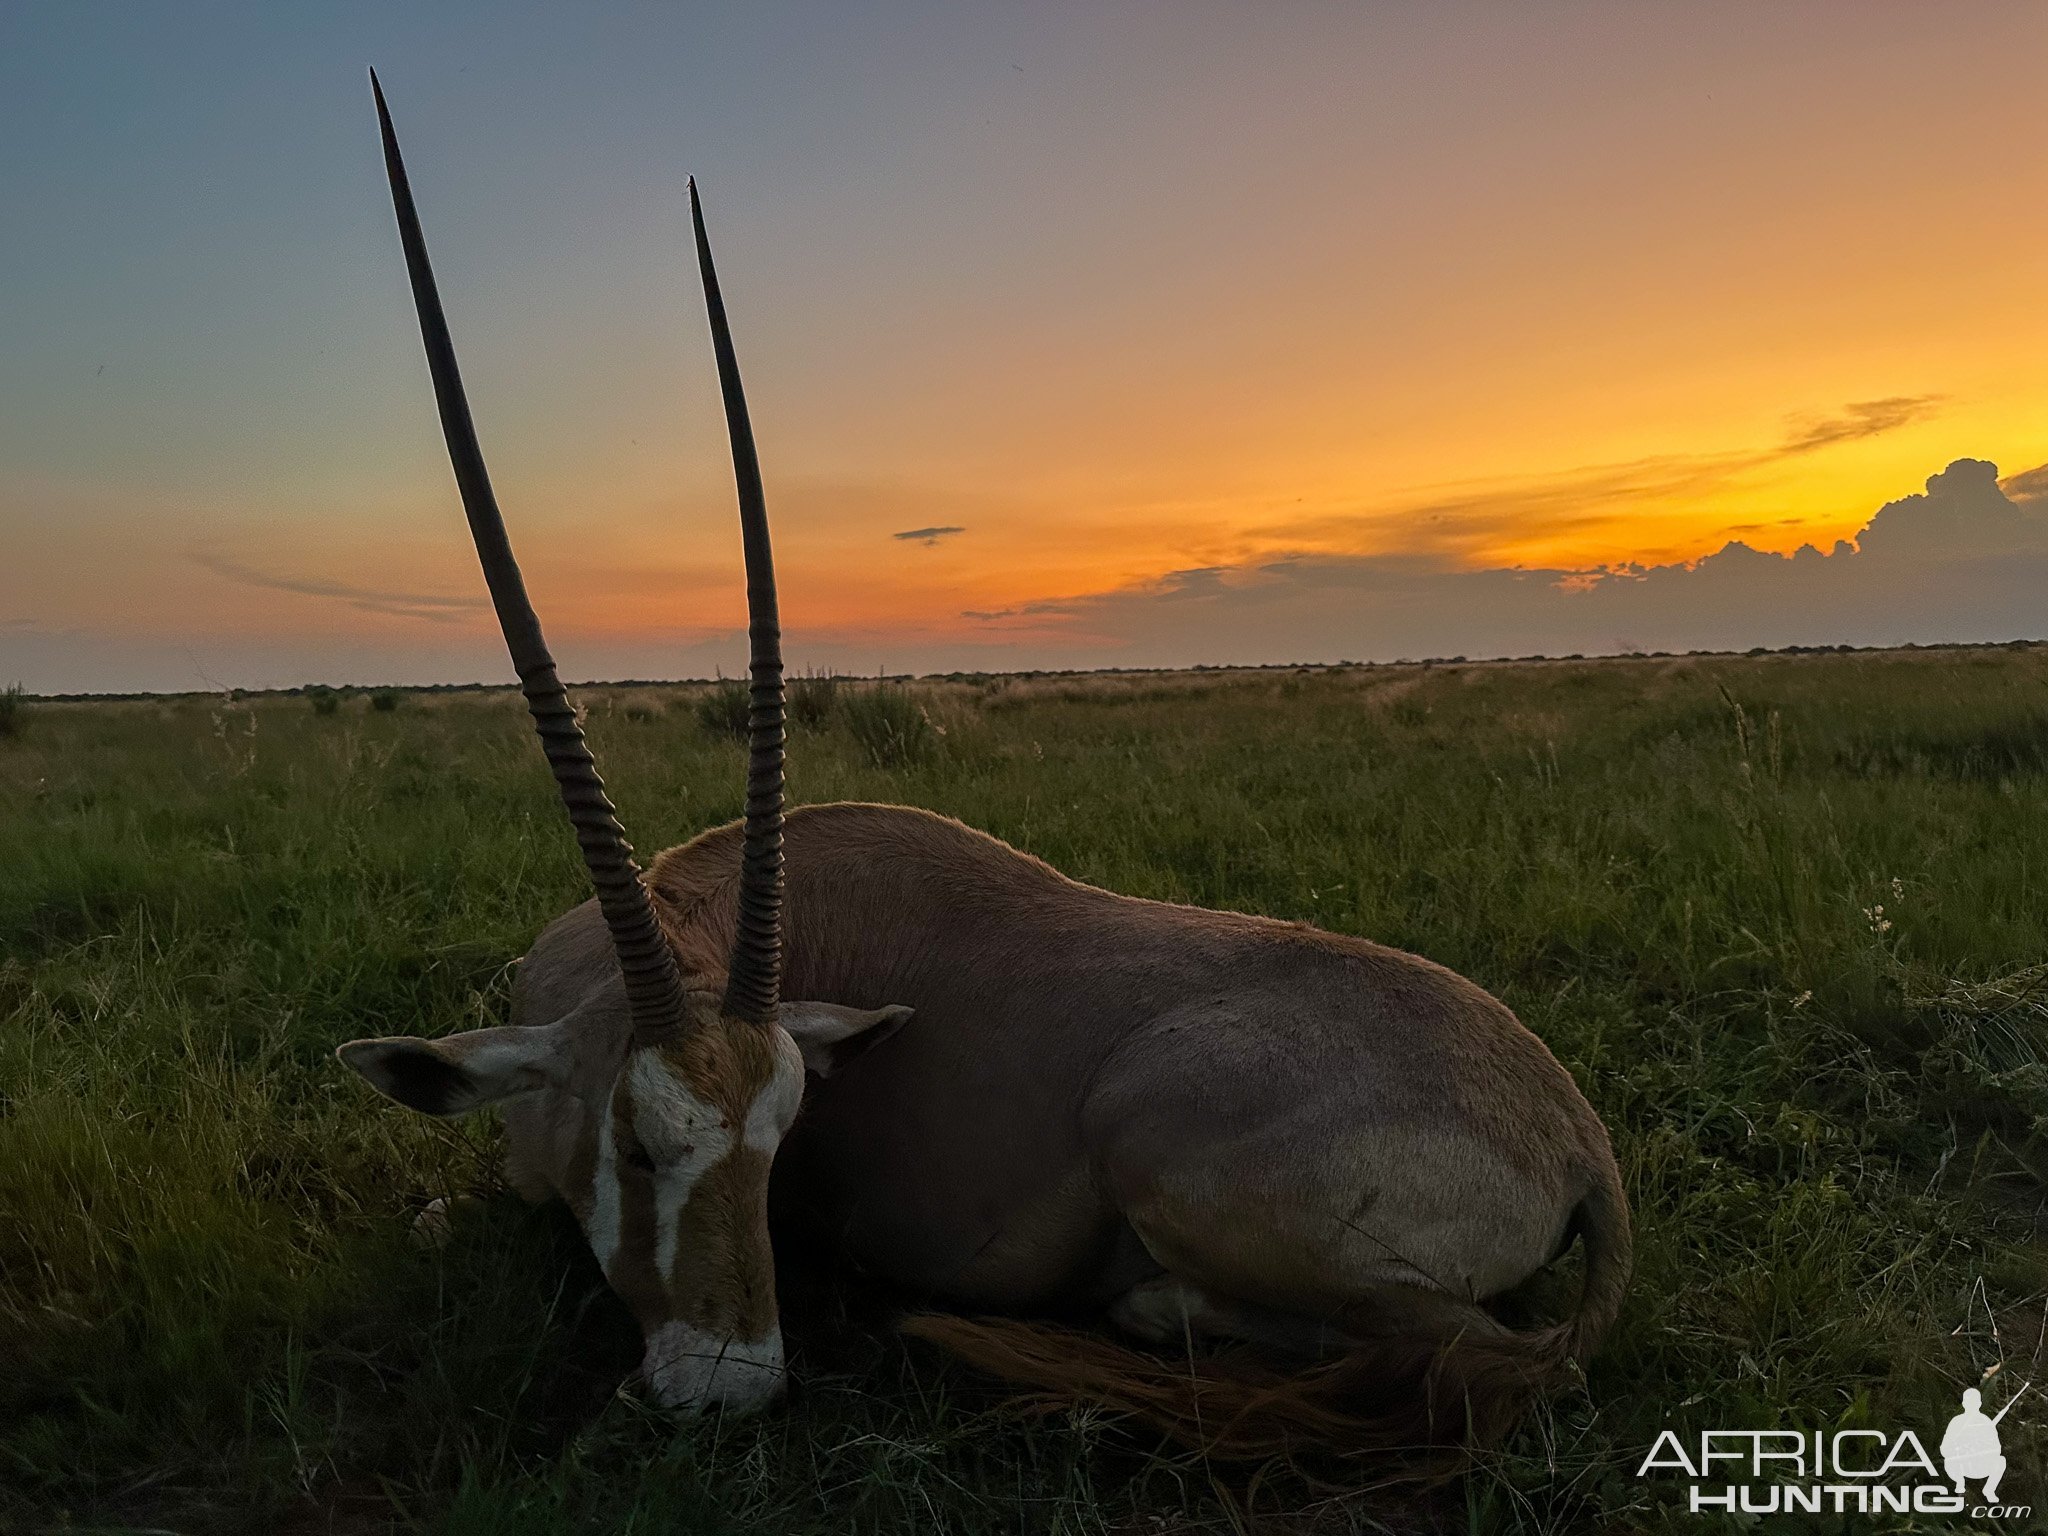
351,690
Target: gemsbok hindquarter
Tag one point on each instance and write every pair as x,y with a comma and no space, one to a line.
1032,1096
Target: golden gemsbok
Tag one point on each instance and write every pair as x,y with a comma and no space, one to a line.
1025,1095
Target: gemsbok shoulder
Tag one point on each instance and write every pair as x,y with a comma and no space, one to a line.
1295,1164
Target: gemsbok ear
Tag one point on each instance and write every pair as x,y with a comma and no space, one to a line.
830,1036
459,1073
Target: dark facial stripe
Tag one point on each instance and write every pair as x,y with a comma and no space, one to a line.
724,1277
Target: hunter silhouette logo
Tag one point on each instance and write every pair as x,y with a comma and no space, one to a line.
1843,1471
1970,1449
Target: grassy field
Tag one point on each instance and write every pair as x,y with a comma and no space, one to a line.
1783,917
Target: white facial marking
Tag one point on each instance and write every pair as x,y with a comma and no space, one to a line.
682,1134
688,1368
684,1137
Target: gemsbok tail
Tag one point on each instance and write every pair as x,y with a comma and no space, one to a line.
1436,1375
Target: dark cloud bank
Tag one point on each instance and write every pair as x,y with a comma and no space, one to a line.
1966,561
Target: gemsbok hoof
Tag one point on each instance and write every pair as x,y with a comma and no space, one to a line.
435,1225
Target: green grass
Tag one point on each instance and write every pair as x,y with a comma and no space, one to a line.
1833,1120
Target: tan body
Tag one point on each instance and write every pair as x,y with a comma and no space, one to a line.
1250,1126
977,1078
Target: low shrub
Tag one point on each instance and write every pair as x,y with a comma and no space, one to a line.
813,699
890,725
723,711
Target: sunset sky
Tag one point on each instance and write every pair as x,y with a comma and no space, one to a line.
1075,335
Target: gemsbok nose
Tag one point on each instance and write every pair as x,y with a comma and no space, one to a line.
693,1371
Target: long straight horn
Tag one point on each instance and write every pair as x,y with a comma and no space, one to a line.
654,988
754,982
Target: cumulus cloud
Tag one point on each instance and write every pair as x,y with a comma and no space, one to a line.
1964,560
928,536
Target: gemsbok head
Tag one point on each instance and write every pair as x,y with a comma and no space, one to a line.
679,1078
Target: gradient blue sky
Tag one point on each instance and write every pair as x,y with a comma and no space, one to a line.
1151,301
